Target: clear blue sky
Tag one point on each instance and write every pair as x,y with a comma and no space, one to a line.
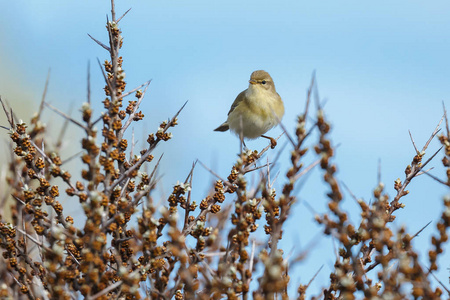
383,68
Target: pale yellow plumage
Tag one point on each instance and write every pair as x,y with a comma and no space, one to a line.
255,110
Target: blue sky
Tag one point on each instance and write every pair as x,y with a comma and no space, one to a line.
382,67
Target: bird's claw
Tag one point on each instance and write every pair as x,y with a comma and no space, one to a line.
273,143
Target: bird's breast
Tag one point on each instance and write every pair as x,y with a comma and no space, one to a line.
265,103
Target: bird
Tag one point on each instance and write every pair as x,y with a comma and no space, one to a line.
255,110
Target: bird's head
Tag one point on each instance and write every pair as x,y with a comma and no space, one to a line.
261,79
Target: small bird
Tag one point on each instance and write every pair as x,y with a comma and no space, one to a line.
255,110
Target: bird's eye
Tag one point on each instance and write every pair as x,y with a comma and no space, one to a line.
263,82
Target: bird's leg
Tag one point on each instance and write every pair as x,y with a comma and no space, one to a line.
273,142
241,137
243,145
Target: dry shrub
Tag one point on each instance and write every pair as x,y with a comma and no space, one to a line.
173,251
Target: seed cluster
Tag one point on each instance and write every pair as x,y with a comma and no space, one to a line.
372,244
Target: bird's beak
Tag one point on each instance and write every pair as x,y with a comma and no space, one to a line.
253,81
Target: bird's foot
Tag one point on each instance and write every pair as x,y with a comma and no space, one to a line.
273,142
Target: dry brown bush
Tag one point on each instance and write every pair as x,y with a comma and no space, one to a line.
45,256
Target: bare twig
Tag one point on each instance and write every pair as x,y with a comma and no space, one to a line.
41,106
63,131
308,93
118,20
414,144
105,77
287,134
65,116
88,96
9,115
188,200
226,182
379,172
315,275
307,169
446,119
252,258
440,282
437,179
418,232
146,84
428,160
350,192
100,43
424,172
435,132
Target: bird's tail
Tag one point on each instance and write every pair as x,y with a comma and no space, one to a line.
223,127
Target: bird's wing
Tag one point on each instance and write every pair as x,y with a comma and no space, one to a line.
236,102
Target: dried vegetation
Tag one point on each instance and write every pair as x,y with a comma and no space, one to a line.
129,247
